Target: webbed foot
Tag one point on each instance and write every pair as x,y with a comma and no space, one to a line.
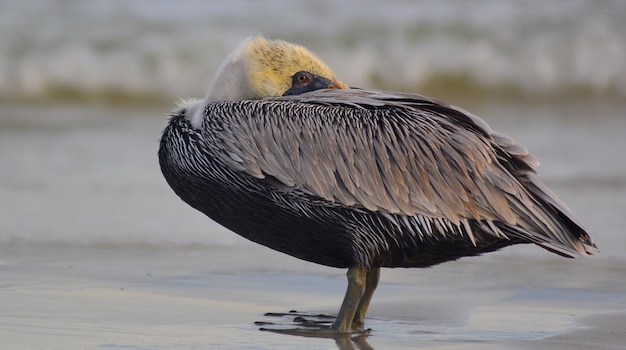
307,325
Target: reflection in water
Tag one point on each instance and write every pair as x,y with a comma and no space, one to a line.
297,323
353,343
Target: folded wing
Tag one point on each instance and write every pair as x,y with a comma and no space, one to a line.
399,154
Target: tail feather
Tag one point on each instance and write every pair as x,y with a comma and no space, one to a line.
567,235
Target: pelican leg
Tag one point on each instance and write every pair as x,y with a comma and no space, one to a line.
361,286
371,283
352,301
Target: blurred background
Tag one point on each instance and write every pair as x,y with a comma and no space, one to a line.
86,86
141,50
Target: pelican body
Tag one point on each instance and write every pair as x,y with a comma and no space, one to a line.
354,178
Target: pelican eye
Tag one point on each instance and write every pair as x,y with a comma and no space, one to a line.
302,78
303,81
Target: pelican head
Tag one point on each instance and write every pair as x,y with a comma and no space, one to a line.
260,68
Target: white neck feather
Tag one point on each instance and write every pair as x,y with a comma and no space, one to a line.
231,83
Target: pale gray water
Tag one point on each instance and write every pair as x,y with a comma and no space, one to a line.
89,176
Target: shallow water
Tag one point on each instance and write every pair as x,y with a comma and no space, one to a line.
129,298
80,175
98,253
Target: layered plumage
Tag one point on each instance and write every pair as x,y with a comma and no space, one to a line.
362,179
367,178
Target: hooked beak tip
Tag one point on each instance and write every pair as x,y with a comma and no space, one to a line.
337,84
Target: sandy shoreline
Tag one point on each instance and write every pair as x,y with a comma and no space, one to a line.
108,298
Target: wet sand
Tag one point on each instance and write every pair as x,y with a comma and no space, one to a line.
123,298
97,253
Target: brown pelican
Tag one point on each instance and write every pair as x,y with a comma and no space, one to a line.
284,154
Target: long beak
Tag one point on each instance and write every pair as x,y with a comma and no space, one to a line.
337,84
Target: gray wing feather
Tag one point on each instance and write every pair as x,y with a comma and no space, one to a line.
400,154
402,164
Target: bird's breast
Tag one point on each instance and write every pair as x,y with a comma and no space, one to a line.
249,206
